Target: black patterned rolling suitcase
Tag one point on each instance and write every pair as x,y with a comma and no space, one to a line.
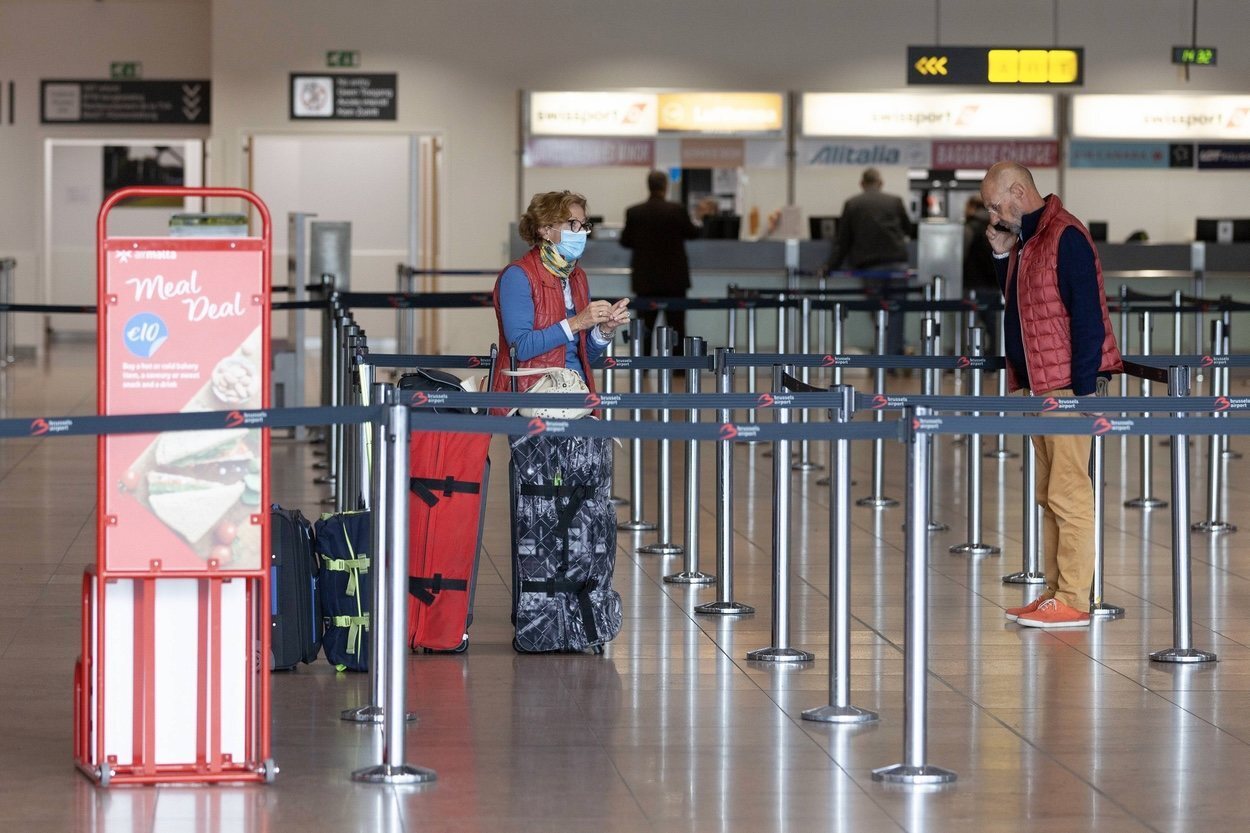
563,544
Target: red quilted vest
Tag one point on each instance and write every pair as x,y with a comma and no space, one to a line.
549,309
1044,324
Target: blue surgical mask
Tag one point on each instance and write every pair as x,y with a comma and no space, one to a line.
572,244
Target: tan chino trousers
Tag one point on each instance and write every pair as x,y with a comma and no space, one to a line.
1066,495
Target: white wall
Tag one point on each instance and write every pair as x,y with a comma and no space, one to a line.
461,63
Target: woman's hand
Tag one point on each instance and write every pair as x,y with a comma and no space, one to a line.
618,316
596,312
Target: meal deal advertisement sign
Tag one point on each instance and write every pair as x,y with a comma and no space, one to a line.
182,331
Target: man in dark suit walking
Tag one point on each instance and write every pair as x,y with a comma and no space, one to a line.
657,231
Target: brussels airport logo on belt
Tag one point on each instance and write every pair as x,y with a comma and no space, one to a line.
40,426
880,402
1052,403
835,361
238,419
730,432
769,400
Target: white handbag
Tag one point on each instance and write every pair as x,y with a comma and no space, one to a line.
554,380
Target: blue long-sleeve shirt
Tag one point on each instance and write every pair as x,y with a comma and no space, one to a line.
516,304
1078,288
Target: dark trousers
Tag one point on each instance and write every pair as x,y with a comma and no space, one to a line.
887,290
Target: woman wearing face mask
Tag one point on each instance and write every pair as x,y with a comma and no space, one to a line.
542,301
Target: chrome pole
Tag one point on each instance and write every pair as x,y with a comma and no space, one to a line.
664,488
364,462
939,294
914,769
635,521
690,573
972,454
609,414
780,650
1147,499
372,713
1097,473
839,709
877,499
1215,464
347,331
753,334
1182,650
724,604
331,348
1124,341
929,382
1224,375
838,316
805,462
1031,551
393,770
1000,451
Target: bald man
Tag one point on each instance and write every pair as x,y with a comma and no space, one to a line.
1058,342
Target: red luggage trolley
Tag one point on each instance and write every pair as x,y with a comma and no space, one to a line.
172,684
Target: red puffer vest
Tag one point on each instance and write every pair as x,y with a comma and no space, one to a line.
549,309
1045,328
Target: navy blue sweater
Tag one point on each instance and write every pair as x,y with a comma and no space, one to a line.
1078,287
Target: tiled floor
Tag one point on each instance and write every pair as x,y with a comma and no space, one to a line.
672,729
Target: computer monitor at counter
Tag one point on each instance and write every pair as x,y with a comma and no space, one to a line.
1222,230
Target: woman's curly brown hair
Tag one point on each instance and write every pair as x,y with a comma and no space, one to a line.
547,209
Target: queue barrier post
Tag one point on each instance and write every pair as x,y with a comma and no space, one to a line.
1147,500
1182,650
1124,342
839,315
636,521
1097,473
877,499
664,486
1031,550
1224,375
1215,464
724,604
7,348
780,650
915,768
839,708
609,386
972,454
394,584
929,387
1000,450
805,462
690,573
331,390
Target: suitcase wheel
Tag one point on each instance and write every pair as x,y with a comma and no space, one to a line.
597,650
463,646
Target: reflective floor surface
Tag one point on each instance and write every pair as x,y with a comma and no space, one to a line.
673,729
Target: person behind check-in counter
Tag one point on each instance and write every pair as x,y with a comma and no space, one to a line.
657,230
542,299
872,236
1058,342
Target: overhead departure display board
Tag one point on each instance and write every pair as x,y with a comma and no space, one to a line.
996,65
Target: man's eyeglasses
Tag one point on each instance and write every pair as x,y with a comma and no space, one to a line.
579,225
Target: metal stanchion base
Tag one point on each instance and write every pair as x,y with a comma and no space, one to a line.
1024,578
1184,655
636,526
659,549
877,501
1145,503
975,549
937,526
696,577
369,714
825,481
618,501
905,774
1214,527
724,609
780,655
402,774
840,714
808,466
1103,610
1003,454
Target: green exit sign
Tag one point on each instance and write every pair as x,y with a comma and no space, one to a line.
125,69
1199,56
343,58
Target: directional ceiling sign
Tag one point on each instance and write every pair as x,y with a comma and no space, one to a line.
996,65
124,102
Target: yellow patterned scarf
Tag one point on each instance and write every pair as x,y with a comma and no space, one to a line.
555,262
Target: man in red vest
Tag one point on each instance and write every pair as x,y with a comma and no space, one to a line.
1058,342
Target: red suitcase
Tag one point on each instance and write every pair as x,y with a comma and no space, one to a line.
448,475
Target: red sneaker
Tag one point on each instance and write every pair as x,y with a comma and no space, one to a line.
1053,613
1014,613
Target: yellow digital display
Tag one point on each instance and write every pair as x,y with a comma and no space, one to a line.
1032,66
